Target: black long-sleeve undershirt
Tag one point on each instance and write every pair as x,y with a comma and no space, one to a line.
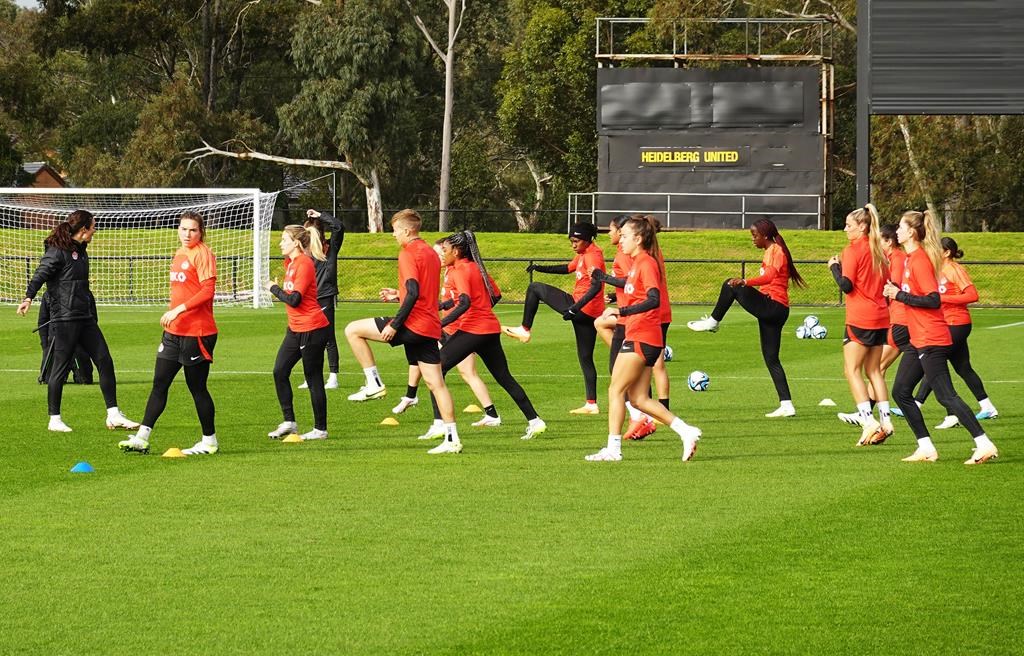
460,308
551,268
292,299
592,291
602,276
931,301
845,284
412,289
652,301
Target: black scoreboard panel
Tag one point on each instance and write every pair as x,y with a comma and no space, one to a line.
729,132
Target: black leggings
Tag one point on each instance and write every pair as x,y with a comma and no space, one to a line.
308,347
68,336
327,305
771,318
195,377
461,345
582,325
929,363
960,358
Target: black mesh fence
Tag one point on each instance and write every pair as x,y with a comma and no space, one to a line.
691,281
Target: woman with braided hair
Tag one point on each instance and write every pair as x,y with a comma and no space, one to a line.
476,328
582,307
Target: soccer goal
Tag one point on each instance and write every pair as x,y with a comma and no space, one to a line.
136,238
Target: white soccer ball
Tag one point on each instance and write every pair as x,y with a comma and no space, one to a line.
668,353
819,332
803,332
698,381
810,321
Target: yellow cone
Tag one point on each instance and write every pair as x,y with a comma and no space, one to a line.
389,421
292,439
472,407
173,452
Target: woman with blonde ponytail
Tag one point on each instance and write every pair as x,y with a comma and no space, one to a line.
860,274
927,355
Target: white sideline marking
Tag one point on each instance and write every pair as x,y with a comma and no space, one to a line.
1007,325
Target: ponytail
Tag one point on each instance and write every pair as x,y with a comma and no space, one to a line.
647,227
465,244
309,240
316,244
949,244
767,229
868,216
62,235
932,244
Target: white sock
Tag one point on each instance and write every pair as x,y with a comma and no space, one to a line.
331,377
986,405
372,377
982,441
864,410
634,414
112,412
535,421
786,405
615,443
451,432
925,443
210,440
883,410
143,433
678,425
713,321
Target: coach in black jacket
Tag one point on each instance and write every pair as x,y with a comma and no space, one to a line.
73,322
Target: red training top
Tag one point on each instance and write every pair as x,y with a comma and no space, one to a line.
193,281
479,319
957,291
301,277
773,277
926,325
418,261
591,257
645,326
620,269
897,265
865,305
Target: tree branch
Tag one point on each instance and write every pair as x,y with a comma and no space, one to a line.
248,155
426,33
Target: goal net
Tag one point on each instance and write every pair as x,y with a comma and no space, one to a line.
136,238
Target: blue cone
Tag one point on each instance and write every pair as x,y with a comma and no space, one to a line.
82,468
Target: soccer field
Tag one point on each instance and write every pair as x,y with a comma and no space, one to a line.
780,536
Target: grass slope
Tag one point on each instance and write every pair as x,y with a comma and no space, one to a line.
780,536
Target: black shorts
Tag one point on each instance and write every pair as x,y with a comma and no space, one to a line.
899,336
186,351
865,336
417,347
647,352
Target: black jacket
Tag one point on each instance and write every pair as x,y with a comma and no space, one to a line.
66,275
327,271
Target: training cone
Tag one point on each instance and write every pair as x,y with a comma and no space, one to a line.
389,421
82,468
173,452
472,407
828,402
292,439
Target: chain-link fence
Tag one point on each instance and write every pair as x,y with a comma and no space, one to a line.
691,281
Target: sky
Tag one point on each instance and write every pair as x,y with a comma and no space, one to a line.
31,4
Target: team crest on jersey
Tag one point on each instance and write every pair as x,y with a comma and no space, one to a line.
761,271
289,286
184,265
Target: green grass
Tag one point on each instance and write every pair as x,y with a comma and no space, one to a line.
780,537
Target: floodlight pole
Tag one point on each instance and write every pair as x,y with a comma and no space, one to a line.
863,102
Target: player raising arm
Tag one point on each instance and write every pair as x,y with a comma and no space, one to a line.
327,282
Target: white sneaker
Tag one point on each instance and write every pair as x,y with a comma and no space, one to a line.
604,455
704,324
284,429
201,448
435,431
949,422
57,425
517,332
304,385
487,421
120,421
448,446
690,436
135,444
533,429
782,411
332,382
315,434
367,393
405,404
852,418
922,455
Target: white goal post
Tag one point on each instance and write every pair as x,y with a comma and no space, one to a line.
136,238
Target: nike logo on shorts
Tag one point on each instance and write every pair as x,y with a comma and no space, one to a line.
301,347
194,358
